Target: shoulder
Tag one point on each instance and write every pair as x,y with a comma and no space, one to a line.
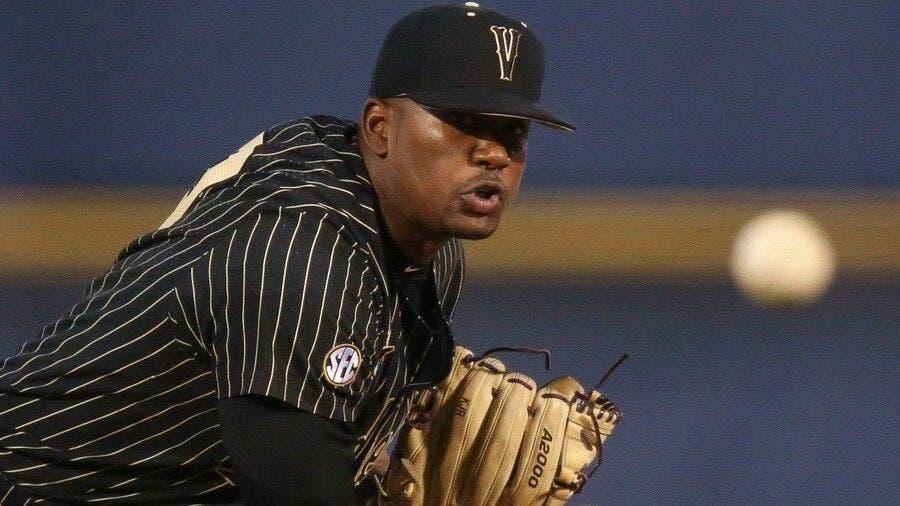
307,166
319,126
304,165
311,163
311,139
302,161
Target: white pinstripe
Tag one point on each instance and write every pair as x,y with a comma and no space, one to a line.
312,249
287,259
312,348
127,406
337,323
262,291
227,320
244,305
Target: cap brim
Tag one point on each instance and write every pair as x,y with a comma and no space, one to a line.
489,101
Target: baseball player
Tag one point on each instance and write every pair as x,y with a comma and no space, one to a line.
270,338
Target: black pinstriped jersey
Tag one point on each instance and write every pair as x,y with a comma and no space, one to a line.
273,276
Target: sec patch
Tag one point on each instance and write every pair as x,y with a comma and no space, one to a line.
341,364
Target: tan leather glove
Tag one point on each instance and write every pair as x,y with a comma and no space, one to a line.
488,436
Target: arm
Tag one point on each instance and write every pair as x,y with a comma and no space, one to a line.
287,290
283,455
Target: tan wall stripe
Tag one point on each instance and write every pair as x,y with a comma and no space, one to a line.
78,231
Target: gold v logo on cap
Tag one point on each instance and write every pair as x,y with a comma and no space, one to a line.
507,40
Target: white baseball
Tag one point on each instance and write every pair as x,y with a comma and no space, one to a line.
782,258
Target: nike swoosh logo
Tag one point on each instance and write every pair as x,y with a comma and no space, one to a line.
411,269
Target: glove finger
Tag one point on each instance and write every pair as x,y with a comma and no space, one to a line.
542,445
460,424
404,482
416,439
580,445
461,367
607,414
494,454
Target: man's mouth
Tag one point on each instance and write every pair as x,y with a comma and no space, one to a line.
484,198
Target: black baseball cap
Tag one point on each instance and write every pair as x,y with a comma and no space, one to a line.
465,58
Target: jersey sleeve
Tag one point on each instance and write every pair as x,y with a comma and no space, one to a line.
293,312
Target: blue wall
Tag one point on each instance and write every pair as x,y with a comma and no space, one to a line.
678,93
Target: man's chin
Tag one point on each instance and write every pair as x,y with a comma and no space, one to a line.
475,229
474,235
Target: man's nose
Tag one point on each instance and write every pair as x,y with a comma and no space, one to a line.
490,154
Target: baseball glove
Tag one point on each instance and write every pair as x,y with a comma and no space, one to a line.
486,436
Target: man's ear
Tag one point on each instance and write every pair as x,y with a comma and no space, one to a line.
375,125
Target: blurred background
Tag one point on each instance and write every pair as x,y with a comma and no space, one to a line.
692,118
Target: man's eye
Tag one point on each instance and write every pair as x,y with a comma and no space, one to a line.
518,130
518,137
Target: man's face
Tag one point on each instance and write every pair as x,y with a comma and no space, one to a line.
456,172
